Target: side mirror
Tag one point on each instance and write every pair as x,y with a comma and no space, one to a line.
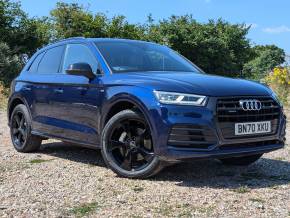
81,69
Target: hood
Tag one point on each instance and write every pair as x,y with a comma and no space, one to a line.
194,83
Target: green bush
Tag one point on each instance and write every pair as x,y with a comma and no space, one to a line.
218,47
279,81
265,58
10,64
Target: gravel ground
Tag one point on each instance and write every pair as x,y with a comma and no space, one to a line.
64,181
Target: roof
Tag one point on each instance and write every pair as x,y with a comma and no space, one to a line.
99,40
78,39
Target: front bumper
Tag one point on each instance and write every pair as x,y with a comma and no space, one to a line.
174,154
217,146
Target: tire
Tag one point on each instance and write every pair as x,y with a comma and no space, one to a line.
241,161
116,153
20,130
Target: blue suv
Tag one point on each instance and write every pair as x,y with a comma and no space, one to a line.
142,104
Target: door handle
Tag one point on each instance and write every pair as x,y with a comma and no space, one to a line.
82,88
26,88
58,91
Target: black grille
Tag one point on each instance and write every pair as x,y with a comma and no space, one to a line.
191,136
230,112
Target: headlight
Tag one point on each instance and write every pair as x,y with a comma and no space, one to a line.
180,98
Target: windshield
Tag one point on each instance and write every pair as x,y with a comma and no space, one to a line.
134,56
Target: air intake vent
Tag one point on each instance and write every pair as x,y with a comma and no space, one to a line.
191,136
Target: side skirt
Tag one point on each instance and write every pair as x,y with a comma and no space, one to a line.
83,144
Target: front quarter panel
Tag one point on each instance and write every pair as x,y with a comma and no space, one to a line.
145,100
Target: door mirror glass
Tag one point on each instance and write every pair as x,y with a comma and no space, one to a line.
81,69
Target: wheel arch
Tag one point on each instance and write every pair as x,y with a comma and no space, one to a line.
13,102
126,101
122,102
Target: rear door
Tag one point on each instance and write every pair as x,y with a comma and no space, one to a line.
42,75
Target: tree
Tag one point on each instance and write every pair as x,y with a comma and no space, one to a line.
18,35
19,32
10,64
265,59
217,46
70,20
118,27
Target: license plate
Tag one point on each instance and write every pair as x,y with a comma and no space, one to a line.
252,128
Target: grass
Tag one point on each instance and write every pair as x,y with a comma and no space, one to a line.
90,165
280,158
85,209
100,179
11,167
259,200
1,180
186,213
242,190
3,96
184,210
138,189
206,210
136,216
165,210
38,161
3,102
275,187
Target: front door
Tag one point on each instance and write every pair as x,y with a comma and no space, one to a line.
77,100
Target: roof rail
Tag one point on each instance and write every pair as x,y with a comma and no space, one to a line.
61,40
70,38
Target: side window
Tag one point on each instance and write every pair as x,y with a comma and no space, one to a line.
78,53
51,61
33,67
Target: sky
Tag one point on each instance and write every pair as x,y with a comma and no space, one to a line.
269,19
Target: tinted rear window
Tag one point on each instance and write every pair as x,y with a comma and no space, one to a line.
51,61
33,67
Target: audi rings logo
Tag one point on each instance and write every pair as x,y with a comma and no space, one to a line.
251,105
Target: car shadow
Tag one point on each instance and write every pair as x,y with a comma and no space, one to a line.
203,173
73,152
264,173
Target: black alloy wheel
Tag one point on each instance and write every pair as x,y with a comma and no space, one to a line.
130,144
127,146
20,130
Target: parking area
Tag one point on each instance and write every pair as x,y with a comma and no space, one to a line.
63,180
